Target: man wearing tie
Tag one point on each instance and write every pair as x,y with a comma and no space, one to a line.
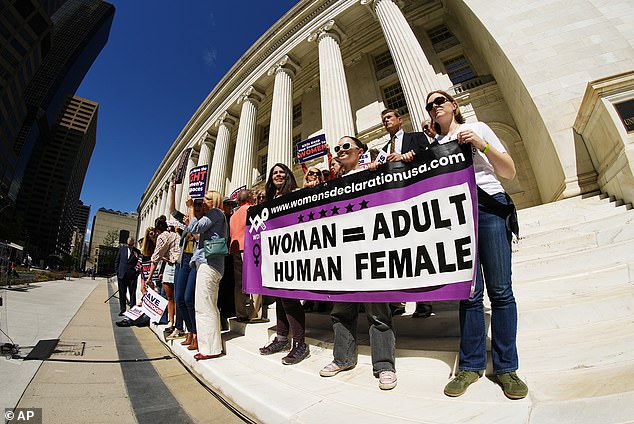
405,147
402,146
125,264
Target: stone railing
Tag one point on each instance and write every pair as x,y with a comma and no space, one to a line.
470,84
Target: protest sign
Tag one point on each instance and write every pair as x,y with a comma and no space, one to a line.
153,305
406,232
312,148
198,182
145,270
134,313
181,168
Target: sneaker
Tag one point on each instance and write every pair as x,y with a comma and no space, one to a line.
176,334
513,387
275,346
299,352
458,385
387,380
333,369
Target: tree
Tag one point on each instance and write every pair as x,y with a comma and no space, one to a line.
111,238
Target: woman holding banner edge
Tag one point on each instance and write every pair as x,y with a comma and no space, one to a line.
345,314
490,159
289,312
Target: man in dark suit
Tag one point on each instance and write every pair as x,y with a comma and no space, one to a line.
405,147
402,146
125,265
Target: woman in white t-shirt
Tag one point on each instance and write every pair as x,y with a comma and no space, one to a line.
490,160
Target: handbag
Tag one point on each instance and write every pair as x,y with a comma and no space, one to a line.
216,247
509,211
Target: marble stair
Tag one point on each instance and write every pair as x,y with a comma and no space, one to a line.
573,283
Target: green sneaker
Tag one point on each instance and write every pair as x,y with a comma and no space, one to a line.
458,385
513,387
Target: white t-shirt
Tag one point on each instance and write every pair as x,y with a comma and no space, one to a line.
484,174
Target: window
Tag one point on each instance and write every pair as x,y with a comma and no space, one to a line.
297,115
441,38
394,97
384,65
459,70
262,165
264,140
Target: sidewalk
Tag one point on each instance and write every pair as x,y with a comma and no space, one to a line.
100,373
36,312
82,392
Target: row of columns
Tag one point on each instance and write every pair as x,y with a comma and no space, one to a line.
416,75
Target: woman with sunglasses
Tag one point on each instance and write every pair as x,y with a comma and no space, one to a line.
289,312
344,314
313,177
490,160
209,271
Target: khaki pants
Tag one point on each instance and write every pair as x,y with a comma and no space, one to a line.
207,313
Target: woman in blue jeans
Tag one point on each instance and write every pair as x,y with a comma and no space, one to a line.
185,277
493,267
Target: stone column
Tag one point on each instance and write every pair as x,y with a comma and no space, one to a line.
191,163
281,127
155,204
336,112
179,189
243,158
415,73
163,204
204,157
218,173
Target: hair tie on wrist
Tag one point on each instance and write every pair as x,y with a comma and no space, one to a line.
486,149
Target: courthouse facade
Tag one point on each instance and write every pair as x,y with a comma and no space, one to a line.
555,82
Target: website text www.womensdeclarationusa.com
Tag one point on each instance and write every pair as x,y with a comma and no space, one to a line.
375,181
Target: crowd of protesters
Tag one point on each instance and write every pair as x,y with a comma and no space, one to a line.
204,290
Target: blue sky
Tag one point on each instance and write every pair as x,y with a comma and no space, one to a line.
161,60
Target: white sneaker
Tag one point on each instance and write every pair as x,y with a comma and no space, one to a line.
176,334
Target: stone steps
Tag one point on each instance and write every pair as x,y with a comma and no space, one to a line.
574,284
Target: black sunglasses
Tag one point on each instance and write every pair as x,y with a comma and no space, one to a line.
345,146
437,101
314,173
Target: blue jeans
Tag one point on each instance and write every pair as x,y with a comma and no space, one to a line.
184,294
494,261
382,341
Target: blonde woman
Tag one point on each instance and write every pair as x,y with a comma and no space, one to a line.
209,271
313,177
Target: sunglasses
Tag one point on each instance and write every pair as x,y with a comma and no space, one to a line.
344,146
437,101
314,173
197,204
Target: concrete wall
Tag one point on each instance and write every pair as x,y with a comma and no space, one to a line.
543,54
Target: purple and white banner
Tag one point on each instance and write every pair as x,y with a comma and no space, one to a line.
406,232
